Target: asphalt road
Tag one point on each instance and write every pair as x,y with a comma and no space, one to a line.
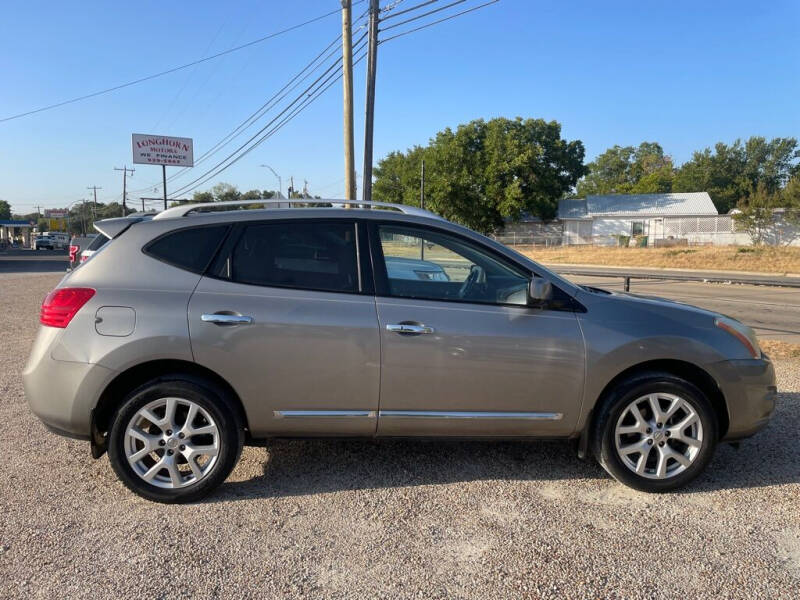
33,261
774,312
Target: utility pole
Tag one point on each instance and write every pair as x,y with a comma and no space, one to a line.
164,176
125,170
347,84
422,185
94,188
372,58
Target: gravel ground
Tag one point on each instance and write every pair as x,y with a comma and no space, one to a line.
389,519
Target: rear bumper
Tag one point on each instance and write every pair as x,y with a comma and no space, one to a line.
62,393
750,394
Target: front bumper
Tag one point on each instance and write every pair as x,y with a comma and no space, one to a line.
62,393
750,394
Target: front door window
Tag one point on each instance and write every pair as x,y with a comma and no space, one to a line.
430,265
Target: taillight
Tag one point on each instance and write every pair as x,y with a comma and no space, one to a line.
84,258
62,304
73,252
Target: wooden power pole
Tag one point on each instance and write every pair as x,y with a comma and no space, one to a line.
347,80
372,57
125,170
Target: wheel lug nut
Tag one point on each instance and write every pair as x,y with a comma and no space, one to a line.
169,431
180,435
649,430
161,442
649,442
658,425
660,443
666,433
183,447
170,452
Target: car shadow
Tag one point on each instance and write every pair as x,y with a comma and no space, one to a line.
303,467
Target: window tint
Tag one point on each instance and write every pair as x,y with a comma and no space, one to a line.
97,242
314,256
190,249
429,265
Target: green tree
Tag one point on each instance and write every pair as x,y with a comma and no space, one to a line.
485,172
203,197
628,170
731,172
790,200
397,177
755,214
5,210
252,195
225,192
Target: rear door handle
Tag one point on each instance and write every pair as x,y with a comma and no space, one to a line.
409,328
226,319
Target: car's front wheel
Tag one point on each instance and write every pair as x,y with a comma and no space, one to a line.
175,439
655,433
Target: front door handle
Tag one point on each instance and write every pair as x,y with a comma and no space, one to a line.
226,319
409,328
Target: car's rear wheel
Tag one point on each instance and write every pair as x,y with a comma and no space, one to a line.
175,439
655,433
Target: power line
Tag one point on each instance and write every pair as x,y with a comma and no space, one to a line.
329,81
392,15
307,90
268,105
425,14
172,70
263,109
432,23
233,159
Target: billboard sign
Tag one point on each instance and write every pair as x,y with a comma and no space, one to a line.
162,150
55,213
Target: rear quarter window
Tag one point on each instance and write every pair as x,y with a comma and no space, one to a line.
191,249
97,242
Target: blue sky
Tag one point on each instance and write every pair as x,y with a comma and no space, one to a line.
685,74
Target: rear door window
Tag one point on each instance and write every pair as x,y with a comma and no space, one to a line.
191,249
303,255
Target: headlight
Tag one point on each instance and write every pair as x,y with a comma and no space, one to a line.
741,332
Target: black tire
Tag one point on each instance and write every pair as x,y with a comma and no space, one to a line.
204,394
611,408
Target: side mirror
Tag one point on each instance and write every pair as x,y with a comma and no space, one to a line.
540,291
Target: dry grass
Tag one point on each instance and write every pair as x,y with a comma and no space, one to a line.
778,349
767,259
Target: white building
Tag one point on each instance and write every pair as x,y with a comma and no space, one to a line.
602,219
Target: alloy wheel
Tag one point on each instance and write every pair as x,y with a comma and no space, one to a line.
658,435
172,443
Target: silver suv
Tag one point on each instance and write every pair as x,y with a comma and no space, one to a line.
201,330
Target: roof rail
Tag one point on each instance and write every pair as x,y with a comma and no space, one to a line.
186,209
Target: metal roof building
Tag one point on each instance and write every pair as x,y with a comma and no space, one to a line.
690,204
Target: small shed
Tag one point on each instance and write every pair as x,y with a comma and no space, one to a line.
602,219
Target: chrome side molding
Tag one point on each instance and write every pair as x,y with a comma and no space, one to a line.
416,414
323,414
438,414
